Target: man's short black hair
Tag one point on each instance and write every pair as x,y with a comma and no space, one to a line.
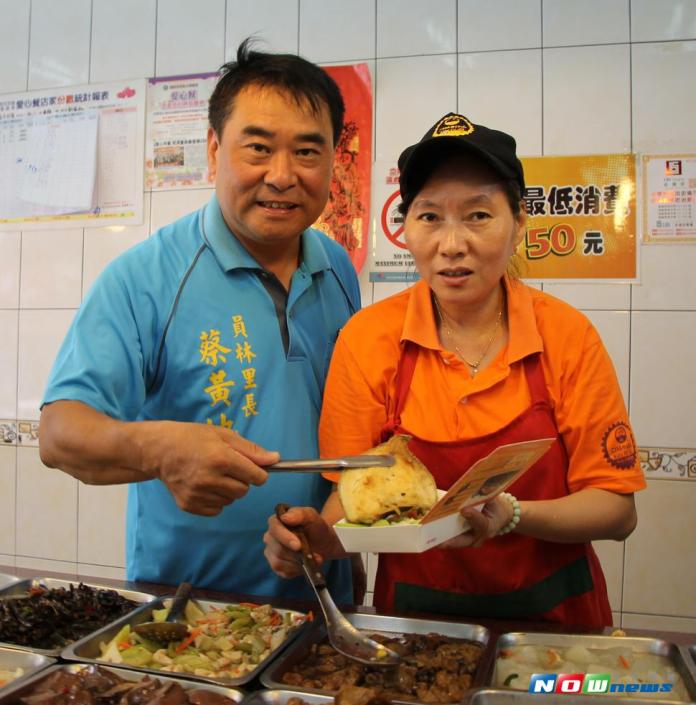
301,79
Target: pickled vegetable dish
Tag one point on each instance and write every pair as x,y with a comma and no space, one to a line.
223,642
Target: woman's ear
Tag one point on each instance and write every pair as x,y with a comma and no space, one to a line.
520,226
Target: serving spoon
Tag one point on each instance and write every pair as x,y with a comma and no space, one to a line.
170,629
343,636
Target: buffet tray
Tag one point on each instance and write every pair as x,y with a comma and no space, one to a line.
493,696
29,662
16,690
280,697
6,579
646,645
87,649
20,587
272,676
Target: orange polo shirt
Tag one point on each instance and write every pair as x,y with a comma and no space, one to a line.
445,403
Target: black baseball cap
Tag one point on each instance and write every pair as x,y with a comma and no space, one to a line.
448,136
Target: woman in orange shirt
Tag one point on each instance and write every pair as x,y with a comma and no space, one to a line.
468,359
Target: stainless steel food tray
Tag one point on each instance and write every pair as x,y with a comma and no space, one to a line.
646,645
271,677
7,579
16,690
11,659
22,586
87,649
280,697
493,696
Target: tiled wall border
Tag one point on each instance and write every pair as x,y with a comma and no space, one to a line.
668,463
23,433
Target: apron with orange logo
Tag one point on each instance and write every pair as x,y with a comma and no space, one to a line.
510,576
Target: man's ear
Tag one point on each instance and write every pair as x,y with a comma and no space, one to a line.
213,151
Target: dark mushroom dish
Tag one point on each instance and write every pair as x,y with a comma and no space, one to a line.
52,618
434,669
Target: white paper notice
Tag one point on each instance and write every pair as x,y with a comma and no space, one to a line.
72,156
61,161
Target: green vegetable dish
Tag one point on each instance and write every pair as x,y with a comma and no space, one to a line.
223,642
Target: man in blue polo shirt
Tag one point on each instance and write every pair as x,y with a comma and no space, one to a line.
209,343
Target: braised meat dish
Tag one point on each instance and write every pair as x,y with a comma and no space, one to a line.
98,686
434,669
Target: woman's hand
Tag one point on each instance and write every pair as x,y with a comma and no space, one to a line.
483,525
282,545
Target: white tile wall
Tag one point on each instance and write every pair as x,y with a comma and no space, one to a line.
48,518
667,280
10,248
487,25
668,19
40,334
587,105
663,378
14,45
100,530
123,39
664,93
412,95
566,22
59,42
51,268
8,473
9,325
403,29
565,83
335,30
273,21
490,79
190,36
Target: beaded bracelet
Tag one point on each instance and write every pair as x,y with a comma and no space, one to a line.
510,526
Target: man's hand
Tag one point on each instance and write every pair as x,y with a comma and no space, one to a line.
483,525
206,467
282,545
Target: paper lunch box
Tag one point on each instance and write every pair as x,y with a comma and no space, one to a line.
484,480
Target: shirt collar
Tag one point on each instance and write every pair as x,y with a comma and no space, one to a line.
524,338
231,254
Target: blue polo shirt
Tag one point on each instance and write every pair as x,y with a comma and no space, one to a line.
182,327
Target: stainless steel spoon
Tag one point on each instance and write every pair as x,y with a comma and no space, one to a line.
343,636
170,629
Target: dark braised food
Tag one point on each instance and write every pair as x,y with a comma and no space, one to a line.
434,669
52,618
98,686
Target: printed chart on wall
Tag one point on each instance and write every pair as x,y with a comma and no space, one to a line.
72,157
581,218
346,217
669,197
390,261
177,128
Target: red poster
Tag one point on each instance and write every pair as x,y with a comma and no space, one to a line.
346,217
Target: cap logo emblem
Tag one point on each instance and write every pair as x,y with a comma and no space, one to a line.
453,126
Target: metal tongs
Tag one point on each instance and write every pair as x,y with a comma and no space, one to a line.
343,636
328,464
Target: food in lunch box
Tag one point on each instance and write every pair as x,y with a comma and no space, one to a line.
224,642
623,664
433,669
9,674
93,684
50,618
379,496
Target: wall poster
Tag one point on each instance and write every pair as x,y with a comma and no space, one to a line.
72,156
669,197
